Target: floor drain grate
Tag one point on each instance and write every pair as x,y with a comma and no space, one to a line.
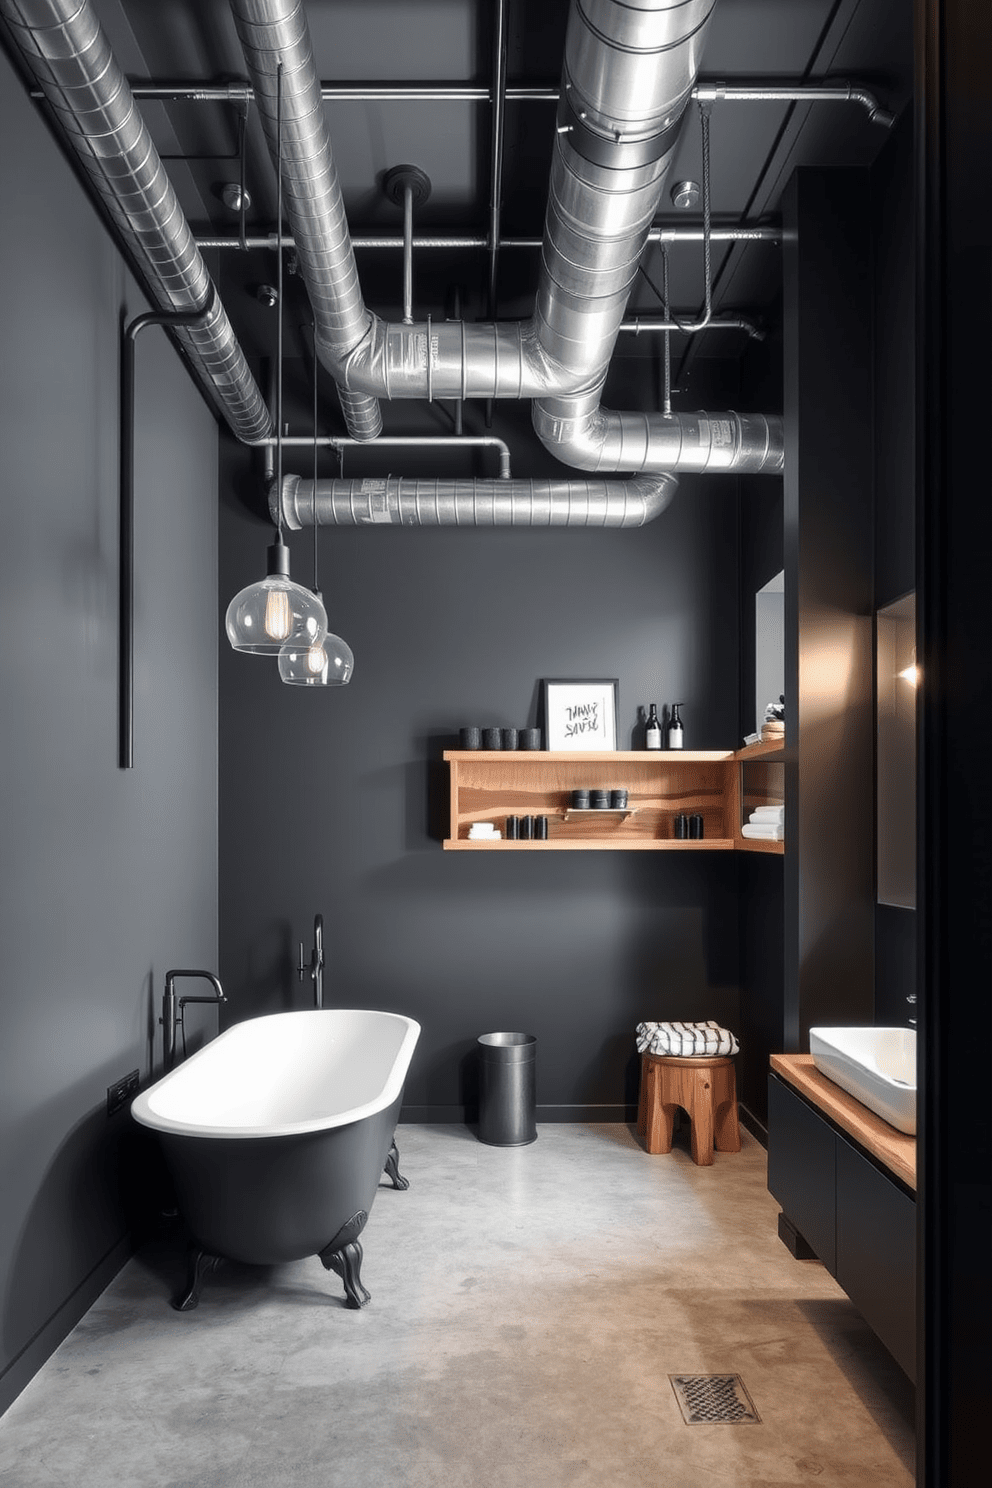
713,1398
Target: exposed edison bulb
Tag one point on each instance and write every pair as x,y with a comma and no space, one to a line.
316,660
329,663
278,620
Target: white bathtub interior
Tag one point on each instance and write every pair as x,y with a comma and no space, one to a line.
285,1073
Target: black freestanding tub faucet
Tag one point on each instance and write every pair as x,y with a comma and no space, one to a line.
316,966
172,1008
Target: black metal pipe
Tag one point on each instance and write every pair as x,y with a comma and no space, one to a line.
496,152
125,597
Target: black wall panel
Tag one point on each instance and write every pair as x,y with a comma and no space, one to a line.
893,352
829,852
895,486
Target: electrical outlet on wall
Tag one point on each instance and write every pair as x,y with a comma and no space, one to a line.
119,1094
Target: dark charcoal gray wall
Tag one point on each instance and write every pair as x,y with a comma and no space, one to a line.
334,802
108,876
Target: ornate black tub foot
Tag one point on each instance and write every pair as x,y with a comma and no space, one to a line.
201,1263
392,1169
344,1257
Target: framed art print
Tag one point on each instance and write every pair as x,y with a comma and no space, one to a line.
580,712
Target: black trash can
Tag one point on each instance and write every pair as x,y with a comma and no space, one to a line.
507,1089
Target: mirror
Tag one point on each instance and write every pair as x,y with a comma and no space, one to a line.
769,646
896,680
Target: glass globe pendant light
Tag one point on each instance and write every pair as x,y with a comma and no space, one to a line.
329,664
275,612
266,616
330,661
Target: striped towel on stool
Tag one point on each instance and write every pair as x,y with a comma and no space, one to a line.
685,1039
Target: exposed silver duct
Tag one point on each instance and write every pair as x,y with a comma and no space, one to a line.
274,32
398,502
68,52
629,73
598,439
627,78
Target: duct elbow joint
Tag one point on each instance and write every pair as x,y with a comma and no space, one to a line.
657,493
576,440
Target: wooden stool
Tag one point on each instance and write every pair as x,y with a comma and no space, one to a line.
706,1089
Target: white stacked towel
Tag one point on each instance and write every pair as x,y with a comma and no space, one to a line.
765,822
486,830
685,1039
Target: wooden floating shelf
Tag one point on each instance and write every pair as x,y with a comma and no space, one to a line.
768,750
489,785
588,844
760,844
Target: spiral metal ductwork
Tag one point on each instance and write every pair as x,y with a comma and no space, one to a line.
398,502
599,439
628,75
68,52
270,34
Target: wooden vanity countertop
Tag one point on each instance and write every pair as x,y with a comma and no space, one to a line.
892,1148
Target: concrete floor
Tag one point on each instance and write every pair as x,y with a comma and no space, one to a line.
528,1306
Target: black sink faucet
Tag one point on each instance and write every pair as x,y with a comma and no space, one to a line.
316,966
172,1008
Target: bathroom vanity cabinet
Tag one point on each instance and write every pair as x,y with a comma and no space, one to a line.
489,785
846,1184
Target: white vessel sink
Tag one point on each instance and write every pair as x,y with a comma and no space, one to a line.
875,1065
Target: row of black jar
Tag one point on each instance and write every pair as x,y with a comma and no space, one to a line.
499,738
598,800
527,828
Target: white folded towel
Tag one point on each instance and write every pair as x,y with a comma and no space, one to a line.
765,831
483,829
685,1039
769,813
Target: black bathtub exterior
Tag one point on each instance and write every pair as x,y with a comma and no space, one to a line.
272,1199
266,1200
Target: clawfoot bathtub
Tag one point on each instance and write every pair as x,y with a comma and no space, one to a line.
276,1135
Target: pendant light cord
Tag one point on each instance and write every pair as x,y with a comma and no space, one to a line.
279,304
316,586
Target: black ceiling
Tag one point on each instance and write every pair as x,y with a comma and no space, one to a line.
755,146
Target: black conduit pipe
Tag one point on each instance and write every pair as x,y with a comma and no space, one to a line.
125,595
